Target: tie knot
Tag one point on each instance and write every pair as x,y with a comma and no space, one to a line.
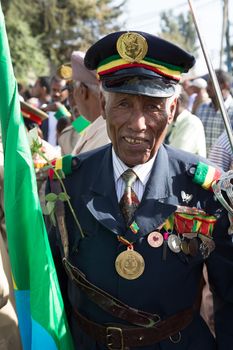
129,177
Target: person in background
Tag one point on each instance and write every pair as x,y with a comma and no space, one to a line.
210,114
41,91
86,95
56,109
186,131
198,86
186,84
68,136
134,263
21,91
9,331
221,153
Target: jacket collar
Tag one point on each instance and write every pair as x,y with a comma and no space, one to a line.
153,209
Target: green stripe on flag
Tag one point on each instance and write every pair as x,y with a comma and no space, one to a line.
31,260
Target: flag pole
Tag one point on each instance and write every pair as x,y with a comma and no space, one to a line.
213,78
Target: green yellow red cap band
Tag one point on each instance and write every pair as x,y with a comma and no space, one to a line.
115,63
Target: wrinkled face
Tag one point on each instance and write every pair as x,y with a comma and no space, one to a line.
136,125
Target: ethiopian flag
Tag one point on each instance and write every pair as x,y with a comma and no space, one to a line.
40,308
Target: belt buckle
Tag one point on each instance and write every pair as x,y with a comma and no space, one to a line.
109,335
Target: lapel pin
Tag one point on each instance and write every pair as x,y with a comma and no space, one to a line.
134,227
186,197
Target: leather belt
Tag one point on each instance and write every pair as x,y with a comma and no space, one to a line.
120,337
107,302
147,329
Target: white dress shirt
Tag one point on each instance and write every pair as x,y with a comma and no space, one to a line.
142,171
52,129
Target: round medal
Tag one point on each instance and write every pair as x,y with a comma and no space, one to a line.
130,264
209,242
189,235
184,247
155,239
193,246
174,243
204,250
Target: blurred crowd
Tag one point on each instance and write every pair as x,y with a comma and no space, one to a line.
66,110
74,123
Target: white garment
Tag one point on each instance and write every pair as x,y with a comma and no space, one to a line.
187,133
94,136
52,129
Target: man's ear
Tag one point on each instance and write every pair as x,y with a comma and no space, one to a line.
102,104
84,91
172,111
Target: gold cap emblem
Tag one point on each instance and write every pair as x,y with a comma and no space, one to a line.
132,47
65,72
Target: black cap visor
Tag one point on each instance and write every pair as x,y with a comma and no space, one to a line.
139,83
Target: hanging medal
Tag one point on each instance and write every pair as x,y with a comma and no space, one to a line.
129,264
170,239
155,239
174,243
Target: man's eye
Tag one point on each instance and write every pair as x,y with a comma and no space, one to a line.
123,104
153,108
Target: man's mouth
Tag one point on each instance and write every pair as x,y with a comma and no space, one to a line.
134,141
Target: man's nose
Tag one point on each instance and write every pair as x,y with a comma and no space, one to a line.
137,121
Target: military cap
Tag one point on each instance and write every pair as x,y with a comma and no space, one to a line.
138,63
76,70
34,114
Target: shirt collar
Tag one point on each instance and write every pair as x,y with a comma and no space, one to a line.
142,170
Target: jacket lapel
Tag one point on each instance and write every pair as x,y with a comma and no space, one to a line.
101,200
157,203
155,207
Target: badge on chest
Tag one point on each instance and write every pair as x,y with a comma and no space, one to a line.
187,230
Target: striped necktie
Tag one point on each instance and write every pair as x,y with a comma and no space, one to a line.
129,201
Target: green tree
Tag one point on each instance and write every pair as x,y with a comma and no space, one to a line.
27,55
55,28
180,30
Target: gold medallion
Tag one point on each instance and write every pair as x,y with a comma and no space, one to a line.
132,47
130,264
193,246
184,247
65,72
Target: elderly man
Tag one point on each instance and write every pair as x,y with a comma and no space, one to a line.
146,225
87,97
